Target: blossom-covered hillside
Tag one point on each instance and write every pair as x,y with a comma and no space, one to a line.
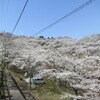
75,61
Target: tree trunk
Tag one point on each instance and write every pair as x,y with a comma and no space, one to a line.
30,81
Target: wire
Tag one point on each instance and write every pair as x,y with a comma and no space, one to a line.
20,16
66,16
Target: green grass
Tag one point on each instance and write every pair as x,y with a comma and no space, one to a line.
51,91
51,86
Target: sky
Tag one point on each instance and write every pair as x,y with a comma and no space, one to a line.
40,13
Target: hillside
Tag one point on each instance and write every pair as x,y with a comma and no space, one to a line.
75,61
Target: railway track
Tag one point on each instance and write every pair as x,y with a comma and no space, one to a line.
12,90
16,91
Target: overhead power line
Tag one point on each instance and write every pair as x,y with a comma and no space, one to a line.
20,16
66,16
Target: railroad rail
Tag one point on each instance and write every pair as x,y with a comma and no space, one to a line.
20,91
11,90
